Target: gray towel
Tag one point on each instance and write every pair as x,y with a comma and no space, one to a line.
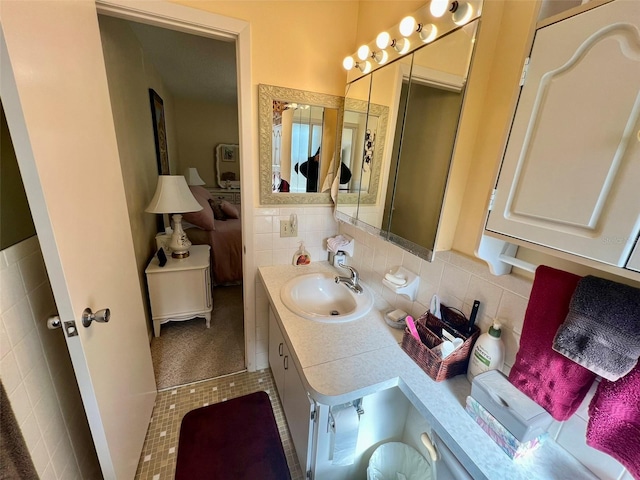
15,461
602,329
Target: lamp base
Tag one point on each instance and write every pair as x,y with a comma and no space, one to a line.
179,241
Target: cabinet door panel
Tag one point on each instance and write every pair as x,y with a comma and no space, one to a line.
276,354
178,293
572,165
297,408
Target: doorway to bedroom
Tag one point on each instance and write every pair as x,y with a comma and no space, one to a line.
196,79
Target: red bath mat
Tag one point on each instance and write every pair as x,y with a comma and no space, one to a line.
236,439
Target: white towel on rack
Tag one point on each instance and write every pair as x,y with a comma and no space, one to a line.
335,243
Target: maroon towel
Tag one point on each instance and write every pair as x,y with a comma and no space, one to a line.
614,420
556,383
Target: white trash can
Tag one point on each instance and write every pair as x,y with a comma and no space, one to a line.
398,461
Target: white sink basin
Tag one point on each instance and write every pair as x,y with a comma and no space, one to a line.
317,297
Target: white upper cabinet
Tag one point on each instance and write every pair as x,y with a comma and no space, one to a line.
570,178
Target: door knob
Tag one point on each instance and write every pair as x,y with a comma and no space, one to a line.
101,316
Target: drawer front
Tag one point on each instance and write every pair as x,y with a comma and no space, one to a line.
231,196
177,293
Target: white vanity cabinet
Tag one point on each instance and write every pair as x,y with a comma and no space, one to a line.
298,407
570,177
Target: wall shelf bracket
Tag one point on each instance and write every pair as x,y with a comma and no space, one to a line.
501,256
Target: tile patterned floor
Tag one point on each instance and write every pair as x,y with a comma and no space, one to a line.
160,450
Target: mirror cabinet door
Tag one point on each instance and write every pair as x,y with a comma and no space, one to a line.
356,105
434,101
423,94
386,96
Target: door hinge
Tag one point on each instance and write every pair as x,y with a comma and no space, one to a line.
492,200
313,415
309,475
525,68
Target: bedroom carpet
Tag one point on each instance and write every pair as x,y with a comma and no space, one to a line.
188,351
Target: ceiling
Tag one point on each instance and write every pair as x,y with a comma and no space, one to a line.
191,66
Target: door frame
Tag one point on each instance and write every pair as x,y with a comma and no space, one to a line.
200,22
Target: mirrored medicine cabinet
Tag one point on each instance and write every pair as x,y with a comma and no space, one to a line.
413,109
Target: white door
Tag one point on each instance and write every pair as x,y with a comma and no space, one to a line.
54,90
571,168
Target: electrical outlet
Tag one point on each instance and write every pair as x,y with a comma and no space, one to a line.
287,230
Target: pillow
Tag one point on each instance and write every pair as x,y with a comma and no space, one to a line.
199,191
204,217
218,214
230,210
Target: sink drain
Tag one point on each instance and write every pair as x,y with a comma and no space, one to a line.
335,312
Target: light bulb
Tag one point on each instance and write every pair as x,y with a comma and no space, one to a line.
438,7
383,40
408,25
348,63
365,67
402,45
428,33
462,14
363,52
380,57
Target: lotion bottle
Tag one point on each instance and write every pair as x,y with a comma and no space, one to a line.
301,257
487,353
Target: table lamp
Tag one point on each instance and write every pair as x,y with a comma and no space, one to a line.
173,196
191,174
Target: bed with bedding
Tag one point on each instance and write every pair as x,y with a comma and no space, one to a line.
218,225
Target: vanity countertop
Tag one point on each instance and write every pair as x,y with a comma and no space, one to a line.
343,361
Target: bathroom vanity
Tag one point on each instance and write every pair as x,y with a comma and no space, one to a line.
319,367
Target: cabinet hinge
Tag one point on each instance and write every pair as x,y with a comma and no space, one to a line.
313,415
525,68
309,475
492,200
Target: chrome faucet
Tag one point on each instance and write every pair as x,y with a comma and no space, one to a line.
353,281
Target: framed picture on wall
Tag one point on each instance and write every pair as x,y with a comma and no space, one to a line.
159,132
230,153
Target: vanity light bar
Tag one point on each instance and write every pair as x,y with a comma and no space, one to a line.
422,27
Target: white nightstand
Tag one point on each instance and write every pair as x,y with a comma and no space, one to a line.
180,290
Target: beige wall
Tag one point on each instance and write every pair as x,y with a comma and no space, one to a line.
200,126
296,44
130,75
376,16
16,222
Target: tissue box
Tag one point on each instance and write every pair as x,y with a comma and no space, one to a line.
499,434
520,415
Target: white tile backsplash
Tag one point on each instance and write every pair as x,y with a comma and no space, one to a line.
511,310
32,358
459,280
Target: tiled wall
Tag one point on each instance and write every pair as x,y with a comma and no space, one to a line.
36,370
315,225
458,281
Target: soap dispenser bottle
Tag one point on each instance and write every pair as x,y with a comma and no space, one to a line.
301,257
487,353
